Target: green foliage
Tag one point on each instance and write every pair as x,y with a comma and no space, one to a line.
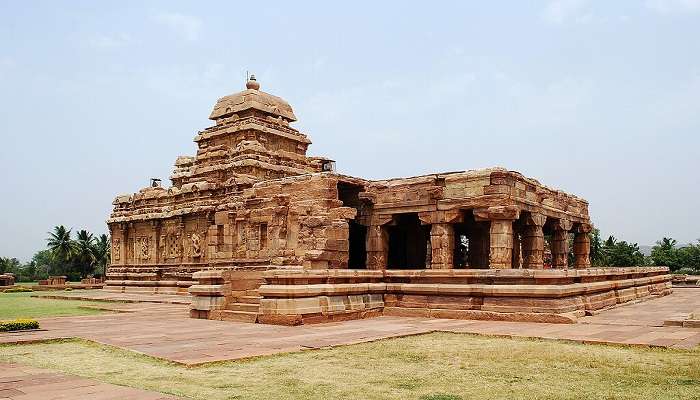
86,255
597,256
614,253
18,289
60,243
667,253
687,271
8,265
18,325
622,254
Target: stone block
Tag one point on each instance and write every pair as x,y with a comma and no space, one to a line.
207,303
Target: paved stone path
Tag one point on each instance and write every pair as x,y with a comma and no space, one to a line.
18,382
165,331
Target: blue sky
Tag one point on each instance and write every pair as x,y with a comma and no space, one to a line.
598,98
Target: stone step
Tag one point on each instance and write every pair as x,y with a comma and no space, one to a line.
250,299
238,316
246,307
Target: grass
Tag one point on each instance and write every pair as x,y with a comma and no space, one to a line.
27,305
438,366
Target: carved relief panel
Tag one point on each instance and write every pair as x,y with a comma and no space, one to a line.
116,249
143,247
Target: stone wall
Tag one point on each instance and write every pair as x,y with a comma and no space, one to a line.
296,296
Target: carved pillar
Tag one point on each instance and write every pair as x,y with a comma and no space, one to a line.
582,246
560,244
153,245
377,243
181,242
442,237
442,244
533,241
500,234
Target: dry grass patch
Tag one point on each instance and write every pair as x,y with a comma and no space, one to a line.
440,366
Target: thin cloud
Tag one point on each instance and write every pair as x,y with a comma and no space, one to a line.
109,41
674,6
185,26
561,11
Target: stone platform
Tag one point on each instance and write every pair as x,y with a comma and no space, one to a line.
164,331
293,296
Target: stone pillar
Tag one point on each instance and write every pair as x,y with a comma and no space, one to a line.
533,241
500,234
442,244
560,244
153,242
582,246
501,244
377,244
442,236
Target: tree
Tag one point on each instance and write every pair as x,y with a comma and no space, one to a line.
84,253
61,245
45,264
101,249
11,265
665,253
622,254
597,255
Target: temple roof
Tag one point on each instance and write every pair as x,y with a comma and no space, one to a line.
252,98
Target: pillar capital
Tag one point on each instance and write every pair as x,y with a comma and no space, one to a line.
562,225
583,228
535,219
441,217
380,219
497,213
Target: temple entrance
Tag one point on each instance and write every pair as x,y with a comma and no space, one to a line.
408,242
358,246
471,249
348,193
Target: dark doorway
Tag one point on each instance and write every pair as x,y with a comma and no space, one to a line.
358,246
348,193
408,242
471,243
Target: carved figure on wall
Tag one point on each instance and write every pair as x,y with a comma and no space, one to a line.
196,245
162,244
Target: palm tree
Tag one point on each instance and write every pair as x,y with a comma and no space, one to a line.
101,250
61,245
85,254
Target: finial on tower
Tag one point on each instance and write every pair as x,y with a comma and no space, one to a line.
252,83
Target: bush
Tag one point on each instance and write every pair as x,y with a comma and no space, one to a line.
18,325
18,289
687,271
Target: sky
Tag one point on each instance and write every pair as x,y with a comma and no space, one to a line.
598,98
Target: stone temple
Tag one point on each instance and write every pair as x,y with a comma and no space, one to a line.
256,230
